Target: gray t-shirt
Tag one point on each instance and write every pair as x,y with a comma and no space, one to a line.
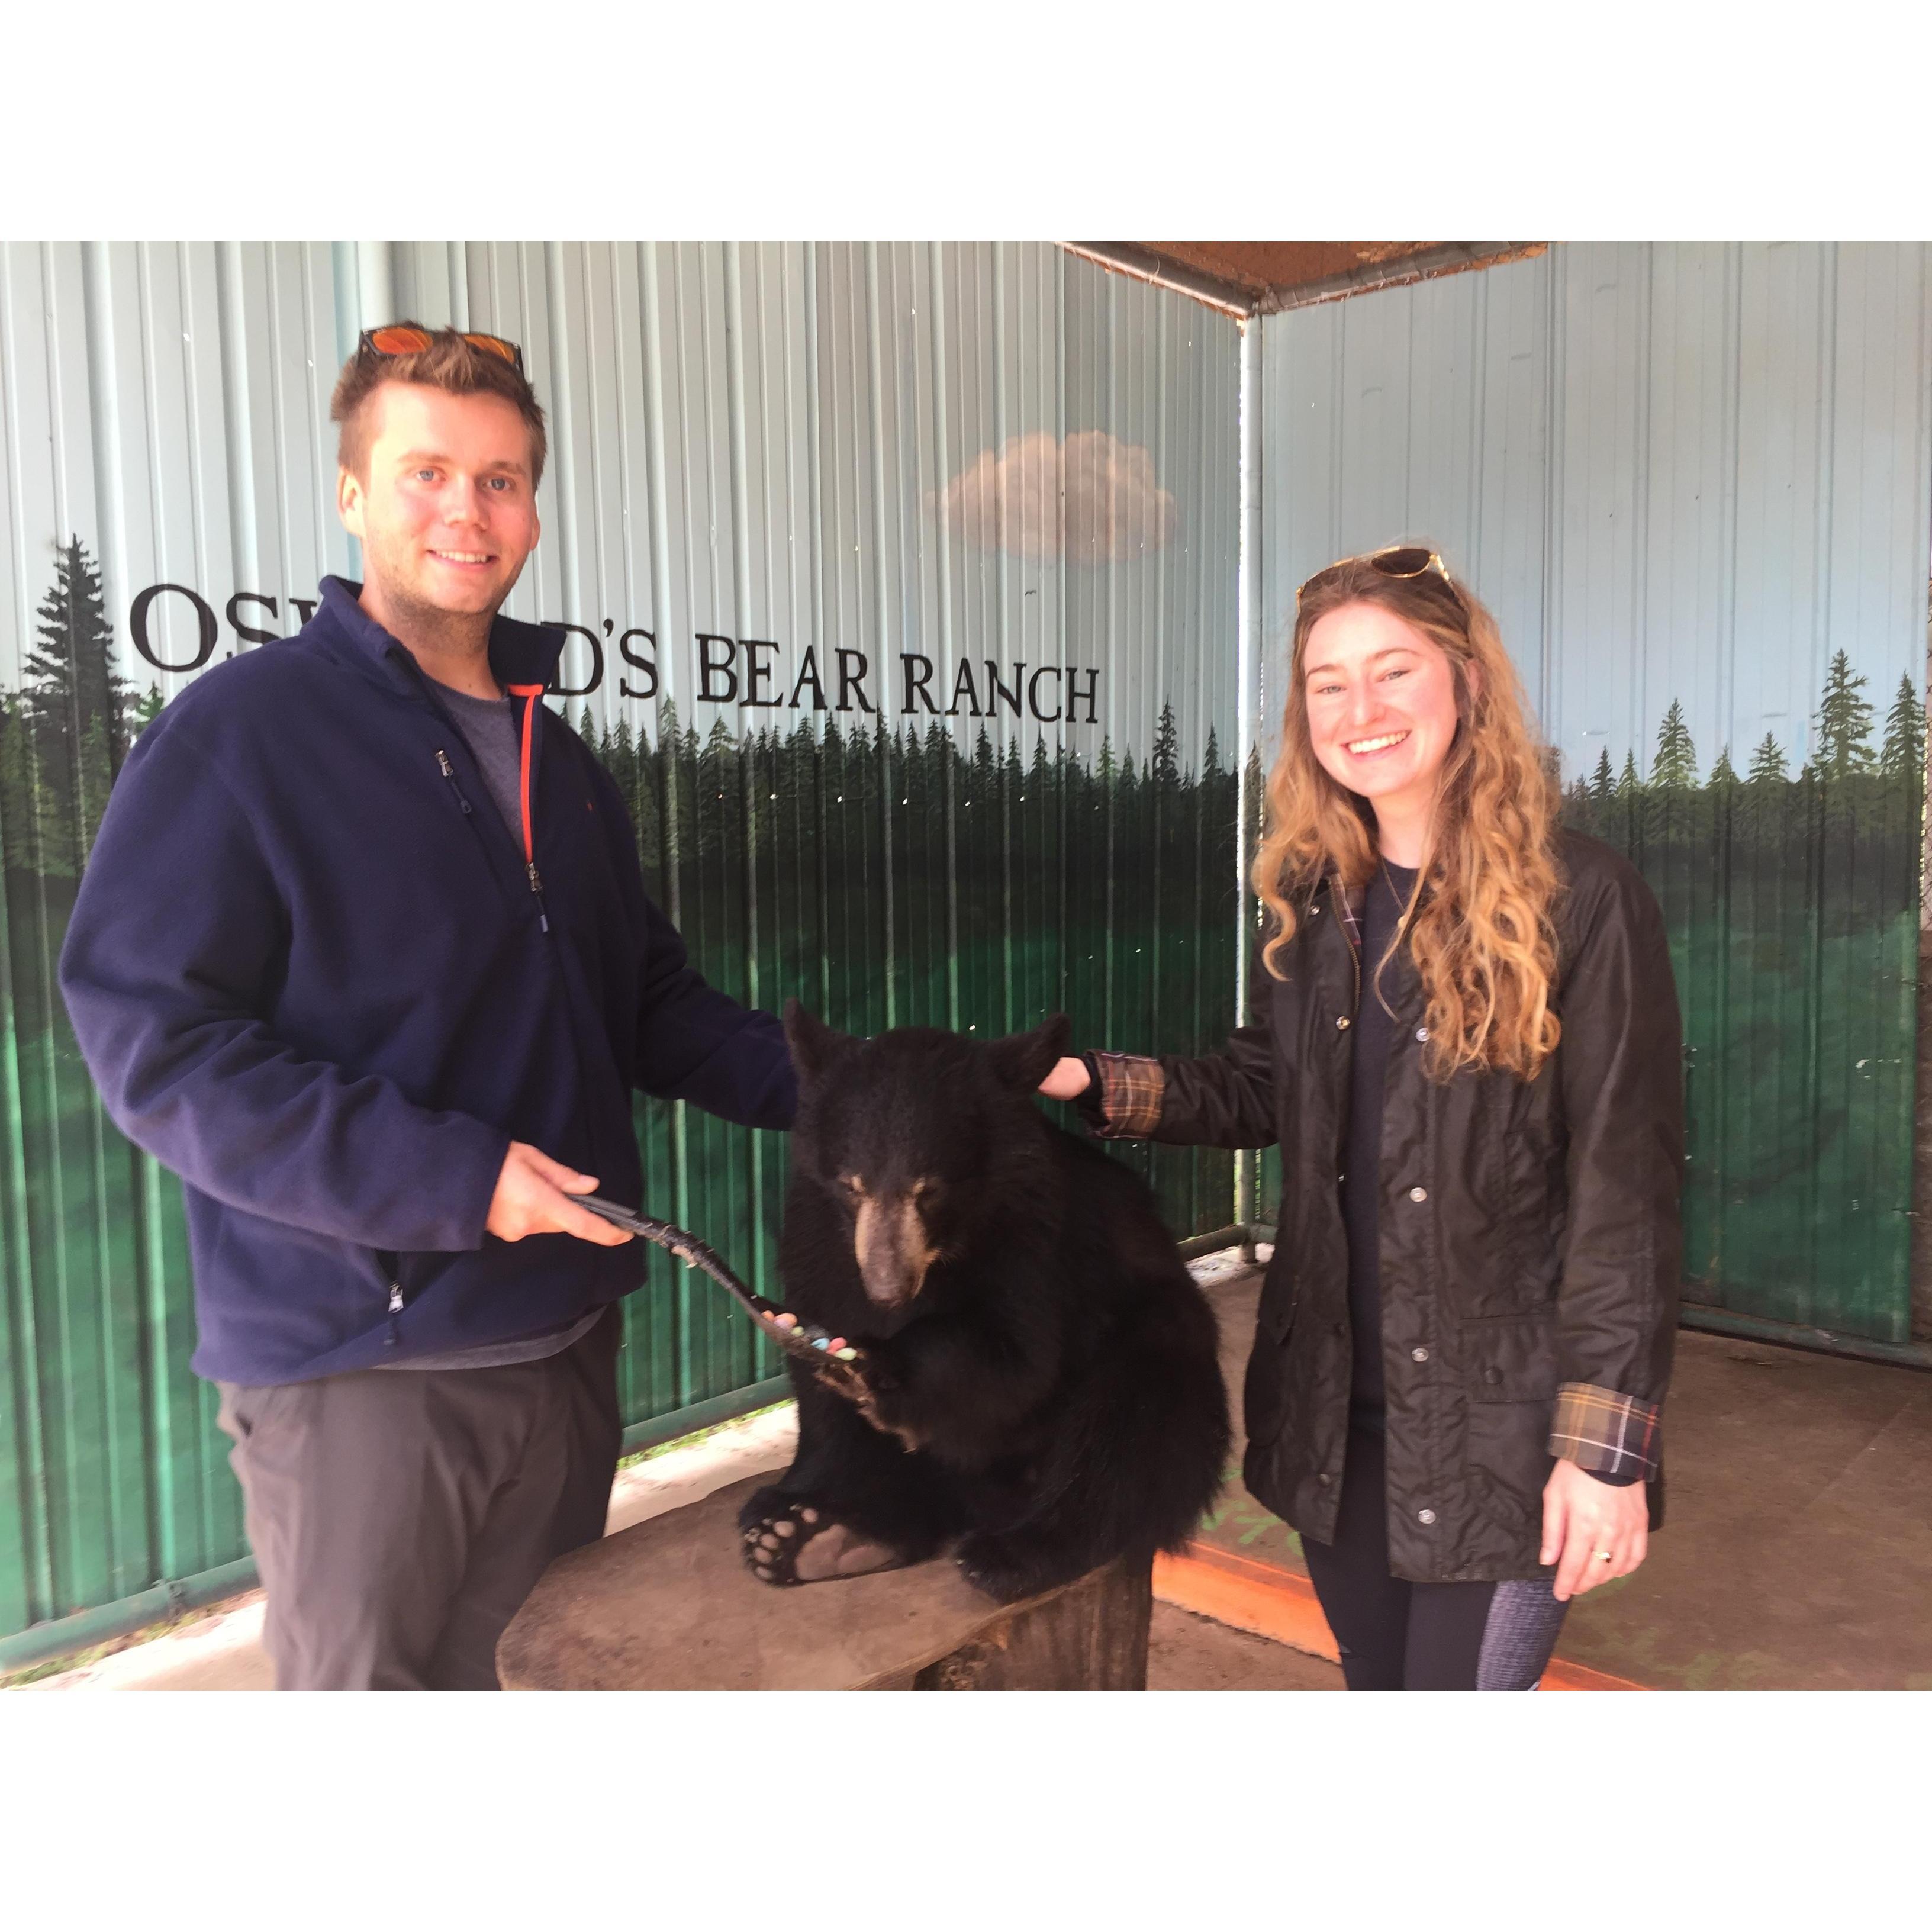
489,728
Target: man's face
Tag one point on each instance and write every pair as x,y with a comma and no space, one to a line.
447,513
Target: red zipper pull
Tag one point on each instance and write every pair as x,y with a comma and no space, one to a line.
530,694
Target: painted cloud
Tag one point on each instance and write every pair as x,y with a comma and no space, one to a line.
1091,500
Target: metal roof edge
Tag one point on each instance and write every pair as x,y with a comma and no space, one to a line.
1125,258
1130,258
1452,258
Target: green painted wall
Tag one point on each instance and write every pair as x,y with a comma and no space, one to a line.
887,878
1792,901
1792,905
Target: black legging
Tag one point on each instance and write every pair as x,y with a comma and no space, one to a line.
1396,1635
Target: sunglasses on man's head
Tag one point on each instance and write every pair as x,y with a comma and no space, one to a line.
1401,560
394,339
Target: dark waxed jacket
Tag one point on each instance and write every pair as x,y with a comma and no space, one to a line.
1528,1231
309,972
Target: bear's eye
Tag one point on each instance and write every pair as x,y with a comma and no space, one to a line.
852,1184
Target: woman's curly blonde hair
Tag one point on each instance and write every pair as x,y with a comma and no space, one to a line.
1481,925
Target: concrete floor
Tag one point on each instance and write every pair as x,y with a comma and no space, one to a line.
1185,1652
223,1652
1796,1551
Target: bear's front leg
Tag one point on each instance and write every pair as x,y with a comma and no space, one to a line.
961,1391
869,1385
852,1501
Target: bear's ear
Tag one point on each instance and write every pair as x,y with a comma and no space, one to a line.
814,1045
1022,1061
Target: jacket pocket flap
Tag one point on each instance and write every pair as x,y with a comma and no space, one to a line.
1511,1358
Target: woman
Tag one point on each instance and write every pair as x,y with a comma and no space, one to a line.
1466,1043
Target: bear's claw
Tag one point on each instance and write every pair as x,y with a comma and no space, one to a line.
860,1384
772,1544
1007,1573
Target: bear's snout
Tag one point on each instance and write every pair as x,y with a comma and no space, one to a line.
893,1248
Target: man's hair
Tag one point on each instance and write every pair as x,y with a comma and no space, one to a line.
449,364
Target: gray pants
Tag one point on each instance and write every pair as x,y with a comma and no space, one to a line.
399,1518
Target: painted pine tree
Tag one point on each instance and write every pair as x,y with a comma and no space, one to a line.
1165,765
1255,781
1603,780
1844,723
20,803
1768,765
79,706
1675,763
1903,754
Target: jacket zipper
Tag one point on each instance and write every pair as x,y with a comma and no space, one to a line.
390,1268
530,694
448,771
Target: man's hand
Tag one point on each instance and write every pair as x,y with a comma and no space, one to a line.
1581,1518
532,1197
1068,1081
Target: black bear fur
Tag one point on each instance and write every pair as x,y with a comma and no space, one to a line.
1039,1388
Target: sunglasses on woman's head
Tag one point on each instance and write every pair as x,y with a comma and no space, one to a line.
1400,561
395,339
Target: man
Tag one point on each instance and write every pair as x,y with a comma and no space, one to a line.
363,953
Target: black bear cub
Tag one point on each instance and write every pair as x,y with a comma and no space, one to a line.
1037,1384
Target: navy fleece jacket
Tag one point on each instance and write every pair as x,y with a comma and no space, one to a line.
309,973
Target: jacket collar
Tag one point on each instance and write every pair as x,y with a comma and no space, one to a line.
1349,902
519,653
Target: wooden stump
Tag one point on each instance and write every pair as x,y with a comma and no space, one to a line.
668,1605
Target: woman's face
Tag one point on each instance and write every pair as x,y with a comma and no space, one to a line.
1381,706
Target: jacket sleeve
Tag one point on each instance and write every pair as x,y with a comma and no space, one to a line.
695,1043
167,969
1620,1061
1223,1100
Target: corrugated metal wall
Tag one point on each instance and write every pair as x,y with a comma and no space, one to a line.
966,513
1686,478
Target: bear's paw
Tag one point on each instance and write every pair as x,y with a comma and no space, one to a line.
786,1542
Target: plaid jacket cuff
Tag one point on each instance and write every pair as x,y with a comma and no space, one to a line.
1131,1088
1605,1433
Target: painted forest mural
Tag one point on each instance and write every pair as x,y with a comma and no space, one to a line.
1792,900
885,878
896,877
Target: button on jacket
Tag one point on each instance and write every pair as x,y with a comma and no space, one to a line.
1528,1231
312,970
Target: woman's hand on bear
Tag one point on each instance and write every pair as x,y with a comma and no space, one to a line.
1068,1081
